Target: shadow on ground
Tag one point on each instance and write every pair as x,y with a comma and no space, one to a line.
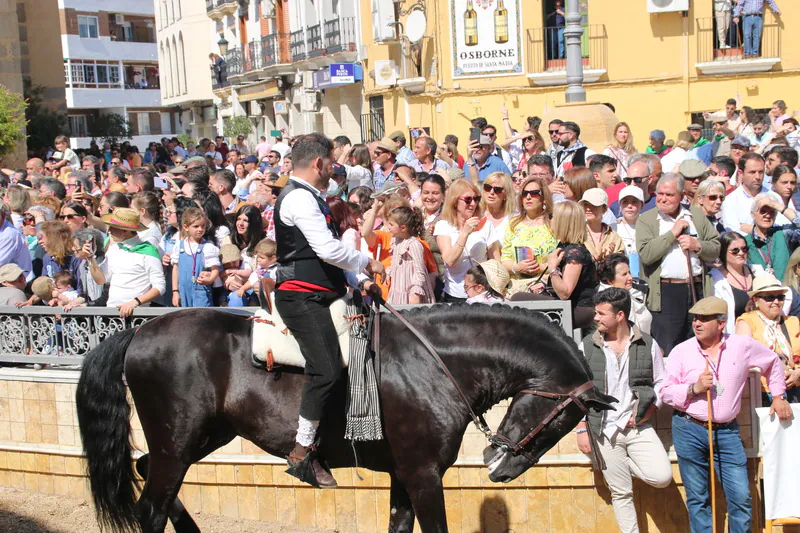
15,523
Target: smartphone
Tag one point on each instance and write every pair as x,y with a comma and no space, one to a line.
475,134
90,241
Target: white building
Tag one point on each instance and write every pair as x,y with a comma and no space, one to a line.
111,66
183,45
277,65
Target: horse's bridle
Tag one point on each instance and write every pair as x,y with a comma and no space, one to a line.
498,439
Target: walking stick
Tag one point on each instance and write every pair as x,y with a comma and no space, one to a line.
711,463
691,278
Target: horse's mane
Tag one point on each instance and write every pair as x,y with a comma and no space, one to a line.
534,323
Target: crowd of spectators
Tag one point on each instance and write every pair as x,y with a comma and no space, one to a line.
514,219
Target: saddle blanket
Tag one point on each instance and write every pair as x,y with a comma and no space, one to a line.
272,339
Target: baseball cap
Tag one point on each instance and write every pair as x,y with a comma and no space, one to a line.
631,190
692,168
709,306
251,159
10,272
742,141
596,197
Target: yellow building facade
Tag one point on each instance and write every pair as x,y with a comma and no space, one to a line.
655,69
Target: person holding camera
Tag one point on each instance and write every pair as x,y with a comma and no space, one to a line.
675,243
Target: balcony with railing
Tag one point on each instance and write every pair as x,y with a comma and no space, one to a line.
546,54
275,50
218,9
234,59
314,45
734,50
297,42
341,36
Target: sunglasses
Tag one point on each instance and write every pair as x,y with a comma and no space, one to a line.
767,211
469,199
552,132
737,251
772,297
715,197
115,163
379,153
28,220
490,188
178,161
686,178
490,134
525,193
67,217
630,181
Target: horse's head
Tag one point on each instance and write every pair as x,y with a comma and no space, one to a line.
524,414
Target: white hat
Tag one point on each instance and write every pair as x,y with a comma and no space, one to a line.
595,196
766,282
631,190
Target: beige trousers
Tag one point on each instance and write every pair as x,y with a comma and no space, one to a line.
634,452
723,25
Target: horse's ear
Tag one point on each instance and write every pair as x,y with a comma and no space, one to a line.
594,399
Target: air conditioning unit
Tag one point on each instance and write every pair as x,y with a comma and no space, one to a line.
119,19
311,102
667,6
308,79
383,21
256,109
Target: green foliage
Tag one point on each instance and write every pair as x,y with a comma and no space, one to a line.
233,127
44,124
12,119
110,127
185,138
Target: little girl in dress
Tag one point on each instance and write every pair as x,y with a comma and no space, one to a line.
408,276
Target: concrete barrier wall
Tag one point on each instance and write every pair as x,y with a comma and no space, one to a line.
40,451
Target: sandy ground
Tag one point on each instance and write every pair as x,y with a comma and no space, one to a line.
32,512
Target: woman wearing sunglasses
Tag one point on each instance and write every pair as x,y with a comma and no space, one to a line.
528,241
498,201
767,324
770,245
463,237
733,278
709,197
74,216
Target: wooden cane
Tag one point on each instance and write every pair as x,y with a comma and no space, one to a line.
691,279
711,458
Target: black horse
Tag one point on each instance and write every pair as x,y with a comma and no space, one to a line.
195,389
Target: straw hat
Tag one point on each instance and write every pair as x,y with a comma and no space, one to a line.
766,282
280,183
388,188
118,187
43,287
496,275
10,272
387,144
230,253
124,218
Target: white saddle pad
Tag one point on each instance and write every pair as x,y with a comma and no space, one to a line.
275,337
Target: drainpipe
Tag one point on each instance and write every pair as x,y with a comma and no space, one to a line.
572,36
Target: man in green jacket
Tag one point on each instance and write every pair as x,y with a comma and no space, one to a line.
672,239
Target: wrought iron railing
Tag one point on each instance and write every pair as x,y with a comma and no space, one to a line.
297,42
211,4
714,43
275,49
373,127
220,80
49,335
315,46
234,61
340,35
546,48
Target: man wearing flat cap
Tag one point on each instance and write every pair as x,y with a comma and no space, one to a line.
696,131
405,155
693,172
720,363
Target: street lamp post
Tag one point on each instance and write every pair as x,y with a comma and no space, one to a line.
572,36
223,46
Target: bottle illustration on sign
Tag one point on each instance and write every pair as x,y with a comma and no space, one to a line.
470,25
500,23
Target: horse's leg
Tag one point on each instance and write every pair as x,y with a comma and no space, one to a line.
160,490
424,488
401,512
181,519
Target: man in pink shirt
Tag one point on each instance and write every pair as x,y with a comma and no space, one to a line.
720,363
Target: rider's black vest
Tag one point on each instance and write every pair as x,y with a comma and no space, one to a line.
296,259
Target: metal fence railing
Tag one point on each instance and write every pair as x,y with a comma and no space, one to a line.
49,335
234,62
546,48
373,127
739,41
314,46
340,35
275,49
297,42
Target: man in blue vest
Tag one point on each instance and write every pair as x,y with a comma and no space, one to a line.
311,275
628,365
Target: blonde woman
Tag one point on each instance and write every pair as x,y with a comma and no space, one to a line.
463,238
498,201
528,240
19,201
791,279
532,144
672,161
621,148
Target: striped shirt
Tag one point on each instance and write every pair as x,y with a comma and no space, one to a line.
754,7
408,273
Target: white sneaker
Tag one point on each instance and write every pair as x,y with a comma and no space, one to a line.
724,47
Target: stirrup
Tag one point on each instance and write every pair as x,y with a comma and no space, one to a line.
303,469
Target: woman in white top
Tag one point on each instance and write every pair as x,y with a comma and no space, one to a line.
621,148
356,162
463,238
672,161
733,278
149,207
615,271
498,201
747,115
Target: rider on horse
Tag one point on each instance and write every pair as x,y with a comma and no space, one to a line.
311,275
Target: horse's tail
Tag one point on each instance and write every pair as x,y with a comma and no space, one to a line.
104,421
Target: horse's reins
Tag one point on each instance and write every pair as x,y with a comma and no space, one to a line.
478,420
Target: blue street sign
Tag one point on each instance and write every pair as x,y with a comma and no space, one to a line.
343,73
323,79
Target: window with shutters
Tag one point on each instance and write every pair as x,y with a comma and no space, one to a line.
87,27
